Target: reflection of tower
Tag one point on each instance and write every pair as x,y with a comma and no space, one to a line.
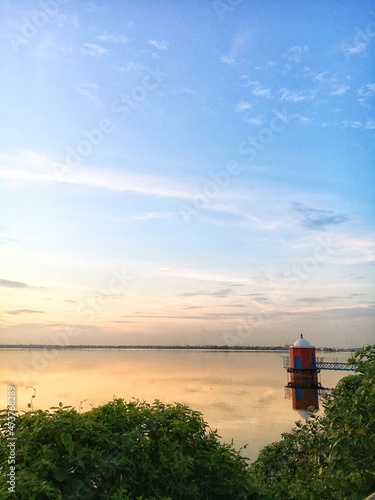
303,375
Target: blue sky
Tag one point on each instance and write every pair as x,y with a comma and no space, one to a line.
187,172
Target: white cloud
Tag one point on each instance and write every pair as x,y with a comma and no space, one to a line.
261,92
320,77
363,102
255,121
186,90
112,38
366,90
152,215
295,53
303,120
365,93
352,124
87,90
132,67
370,124
35,167
356,49
159,45
93,50
353,250
243,106
227,60
253,84
340,90
256,88
288,95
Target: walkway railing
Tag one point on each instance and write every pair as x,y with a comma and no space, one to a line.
325,365
321,391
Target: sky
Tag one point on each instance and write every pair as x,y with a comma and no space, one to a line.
181,172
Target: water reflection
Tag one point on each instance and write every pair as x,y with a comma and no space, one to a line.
239,393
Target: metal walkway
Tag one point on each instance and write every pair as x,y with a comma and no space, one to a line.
325,365
334,365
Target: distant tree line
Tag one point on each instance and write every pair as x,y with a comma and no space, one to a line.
212,347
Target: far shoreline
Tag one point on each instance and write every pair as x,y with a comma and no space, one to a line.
224,348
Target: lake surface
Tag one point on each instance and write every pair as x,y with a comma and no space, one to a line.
241,394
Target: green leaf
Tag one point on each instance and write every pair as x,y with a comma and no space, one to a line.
60,475
67,441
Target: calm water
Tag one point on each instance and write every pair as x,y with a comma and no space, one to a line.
241,394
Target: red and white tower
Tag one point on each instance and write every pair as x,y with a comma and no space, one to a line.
303,375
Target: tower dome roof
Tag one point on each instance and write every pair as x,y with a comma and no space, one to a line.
301,342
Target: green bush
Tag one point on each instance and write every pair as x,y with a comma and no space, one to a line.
122,451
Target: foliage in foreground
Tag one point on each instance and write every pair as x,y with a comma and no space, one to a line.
122,451
332,456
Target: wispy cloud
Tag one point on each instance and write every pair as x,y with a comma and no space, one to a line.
255,121
351,123
132,67
288,95
187,90
206,316
303,120
162,45
317,219
318,300
227,60
354,249
261,92
249,83
340,90
88,90
295,53
221,293
320,77
13,284
243,106
32,166
365,93
257,89
152,216
24,311
354,50
107,37
93,50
